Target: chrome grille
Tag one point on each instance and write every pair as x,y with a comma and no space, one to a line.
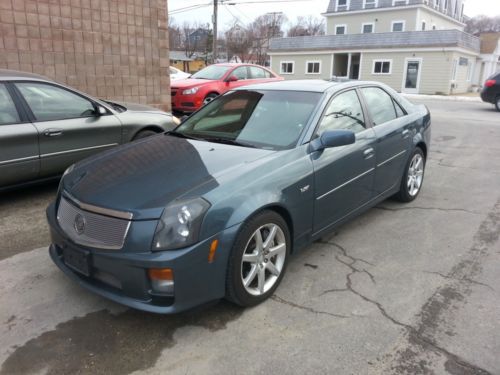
98,231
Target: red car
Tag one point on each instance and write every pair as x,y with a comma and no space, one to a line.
191,93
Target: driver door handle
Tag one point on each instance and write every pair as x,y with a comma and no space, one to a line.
368,153
405,133
52,132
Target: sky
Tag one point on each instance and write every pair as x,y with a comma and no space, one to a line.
245,13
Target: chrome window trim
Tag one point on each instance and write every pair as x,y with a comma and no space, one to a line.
391,158
99,210
78,149
18,160
345,183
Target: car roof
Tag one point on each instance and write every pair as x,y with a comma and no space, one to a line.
9,75
311,85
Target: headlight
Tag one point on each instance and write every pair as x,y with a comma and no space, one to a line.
179,226
190,91
176,121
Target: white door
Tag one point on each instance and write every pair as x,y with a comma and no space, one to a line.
411,76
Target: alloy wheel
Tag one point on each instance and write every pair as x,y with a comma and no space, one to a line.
263,259
415,175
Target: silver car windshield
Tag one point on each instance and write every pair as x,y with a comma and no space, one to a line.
263,119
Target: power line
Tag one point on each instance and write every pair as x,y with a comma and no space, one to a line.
188,8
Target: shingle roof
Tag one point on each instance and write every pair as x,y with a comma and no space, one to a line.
179,55
407,39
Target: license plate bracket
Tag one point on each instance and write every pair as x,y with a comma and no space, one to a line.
78,260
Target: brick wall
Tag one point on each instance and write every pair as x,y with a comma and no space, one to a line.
107,48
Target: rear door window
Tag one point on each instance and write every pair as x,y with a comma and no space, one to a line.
8,111
344,113
380,105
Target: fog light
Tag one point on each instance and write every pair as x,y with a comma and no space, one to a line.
162,280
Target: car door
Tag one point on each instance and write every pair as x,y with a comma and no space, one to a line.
257,75
243,77
69,127
393,137
343,175
19,157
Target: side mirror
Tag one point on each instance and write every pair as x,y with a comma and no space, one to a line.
232,79
100,110
333,138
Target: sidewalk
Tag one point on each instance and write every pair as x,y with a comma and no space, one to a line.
452,98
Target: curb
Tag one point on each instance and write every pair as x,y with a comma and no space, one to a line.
450,98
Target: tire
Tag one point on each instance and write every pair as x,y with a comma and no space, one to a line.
143,134
497,103
209,98
413,177
258,263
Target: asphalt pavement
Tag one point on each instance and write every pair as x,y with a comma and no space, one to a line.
403,289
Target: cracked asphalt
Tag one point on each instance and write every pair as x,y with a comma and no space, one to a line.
402,289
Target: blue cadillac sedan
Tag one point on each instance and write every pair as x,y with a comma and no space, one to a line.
216,207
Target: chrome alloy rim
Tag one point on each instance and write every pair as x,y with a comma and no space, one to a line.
415,174
263,259
208,99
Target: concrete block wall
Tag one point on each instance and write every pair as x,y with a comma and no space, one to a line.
107,48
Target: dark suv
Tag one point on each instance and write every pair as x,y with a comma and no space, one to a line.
491,90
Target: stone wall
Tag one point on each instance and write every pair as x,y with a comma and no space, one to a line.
109,49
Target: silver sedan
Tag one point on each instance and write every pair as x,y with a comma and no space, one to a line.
45,126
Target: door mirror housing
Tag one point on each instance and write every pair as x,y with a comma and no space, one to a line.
100,110
232,79
333,138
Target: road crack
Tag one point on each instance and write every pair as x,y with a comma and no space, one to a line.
464,278
306,308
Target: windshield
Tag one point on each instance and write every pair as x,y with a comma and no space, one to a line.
265,119
214,72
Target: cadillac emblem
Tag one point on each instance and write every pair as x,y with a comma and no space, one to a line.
79,224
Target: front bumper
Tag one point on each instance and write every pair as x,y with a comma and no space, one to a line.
121,275
186,103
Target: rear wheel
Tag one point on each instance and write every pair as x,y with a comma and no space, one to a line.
497,103
144,134
413,177
258,259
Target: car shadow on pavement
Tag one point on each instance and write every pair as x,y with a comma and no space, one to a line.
104,343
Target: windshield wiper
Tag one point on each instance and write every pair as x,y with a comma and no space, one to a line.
183,135
228,141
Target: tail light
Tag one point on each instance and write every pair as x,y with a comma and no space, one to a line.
490,83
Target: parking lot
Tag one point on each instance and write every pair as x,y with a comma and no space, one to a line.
401,289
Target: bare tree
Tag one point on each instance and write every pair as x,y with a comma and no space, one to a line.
263,29
238,42
307,26
174,36
482,24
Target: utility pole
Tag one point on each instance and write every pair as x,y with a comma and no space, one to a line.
214,38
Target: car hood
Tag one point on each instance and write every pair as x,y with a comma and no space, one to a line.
135,107
191,82
143,177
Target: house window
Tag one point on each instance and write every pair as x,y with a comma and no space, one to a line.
382,66
342,5
313,67
398,26
423,25
340,29
286,67
445,5
437,3
367,28
369,4
399,2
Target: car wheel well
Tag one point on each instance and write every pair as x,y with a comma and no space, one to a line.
423,147
284,213
154,128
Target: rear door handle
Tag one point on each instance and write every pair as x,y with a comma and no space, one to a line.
405,134
52,132
368,153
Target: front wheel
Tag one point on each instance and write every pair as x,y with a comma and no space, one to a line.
209,98
258,259
497,103
413,177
